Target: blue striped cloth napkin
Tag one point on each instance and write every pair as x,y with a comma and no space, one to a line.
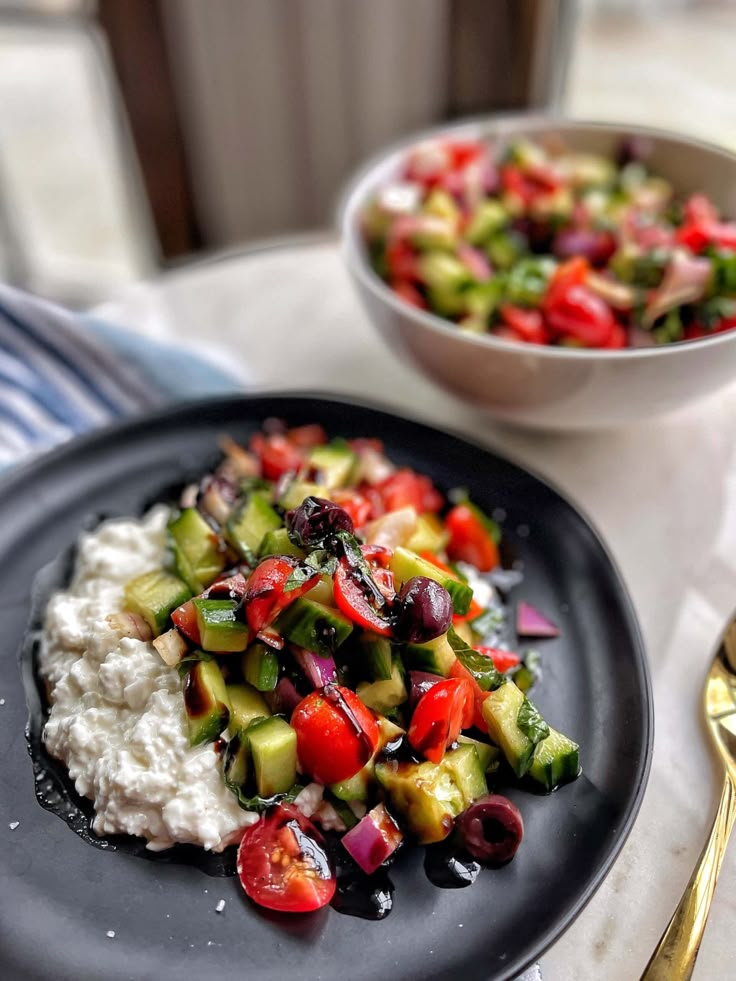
63,373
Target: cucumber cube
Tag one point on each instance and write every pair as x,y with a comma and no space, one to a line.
261,667
198,559
272,745
154,596
219,627
405,565
247,529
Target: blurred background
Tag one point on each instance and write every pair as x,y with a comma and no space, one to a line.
136,134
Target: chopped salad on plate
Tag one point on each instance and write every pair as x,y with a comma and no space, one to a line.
539,244
335,625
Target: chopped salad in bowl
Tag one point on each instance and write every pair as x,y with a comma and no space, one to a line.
334,672
534,242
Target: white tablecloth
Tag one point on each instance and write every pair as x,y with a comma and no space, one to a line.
663,494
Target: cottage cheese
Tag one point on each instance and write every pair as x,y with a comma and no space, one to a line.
117,717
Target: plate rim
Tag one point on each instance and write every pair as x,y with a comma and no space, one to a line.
166,415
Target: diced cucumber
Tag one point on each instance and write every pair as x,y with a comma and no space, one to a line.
334,463
436,656
272,745
312,625
298,490
383,696
376,656
468,772
356,788
405,565
235,762
501,714
154,596
488,755
198,558
430,535
323,591
246,704
261,667
247,529
219,627
556,759
278,543
486,219
205,701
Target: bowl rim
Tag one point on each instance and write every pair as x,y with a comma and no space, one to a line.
362,182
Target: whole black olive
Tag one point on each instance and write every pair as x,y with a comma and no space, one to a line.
491,829
316,520
424,611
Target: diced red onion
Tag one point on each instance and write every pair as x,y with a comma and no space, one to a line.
620,296
328,818
638,337
244,463
319,671
217,499
531,623
373,839
129,625
595,245
373,466
284,698
308,800
685,280
393,529
189,496
271,637
475,261
419,684
171,646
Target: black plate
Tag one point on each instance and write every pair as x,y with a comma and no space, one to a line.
59,896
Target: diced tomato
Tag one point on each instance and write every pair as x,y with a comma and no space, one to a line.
184,618
365,443
264,596
700,210
502,660
308,436
357,506
581,315
336,734
464,152
282,863
277,454
697,236
402,261
405,488
355,599
618,338
439,717
574,272
408,292
459,670
470,541
528,324
529,182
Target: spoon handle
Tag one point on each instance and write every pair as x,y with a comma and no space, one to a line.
675,954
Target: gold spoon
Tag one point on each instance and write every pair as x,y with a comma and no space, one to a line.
675,954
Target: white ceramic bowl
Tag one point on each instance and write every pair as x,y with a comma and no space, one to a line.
550,387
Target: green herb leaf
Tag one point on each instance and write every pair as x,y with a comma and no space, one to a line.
481,667
351,551
531,723
298,577
322,562
188,662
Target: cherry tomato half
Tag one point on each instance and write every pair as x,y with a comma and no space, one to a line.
336,734
264,595
184,618
581,315
502,660
357,602
469,540
528,324
282,864
459,670
307,436
277,454
405,488
440,715
357,505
